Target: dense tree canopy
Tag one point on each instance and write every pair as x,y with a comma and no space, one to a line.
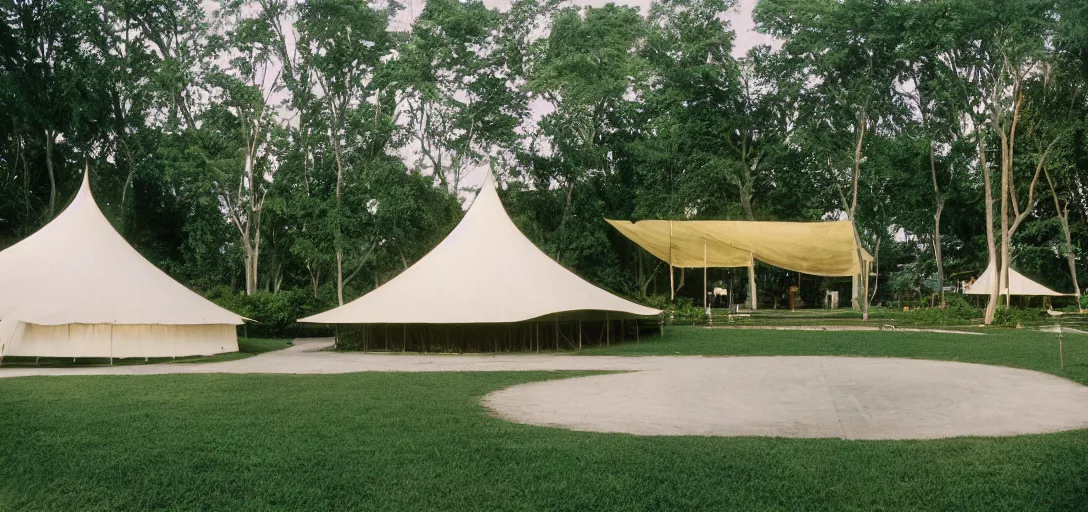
320,147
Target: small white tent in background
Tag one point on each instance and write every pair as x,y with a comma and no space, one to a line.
75,288
1018,285
484,272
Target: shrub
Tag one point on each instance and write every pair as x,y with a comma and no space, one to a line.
275,314
1010,317
683,311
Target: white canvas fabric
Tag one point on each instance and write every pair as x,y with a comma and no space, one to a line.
75,288
115,341
79,270
484,271
1018,285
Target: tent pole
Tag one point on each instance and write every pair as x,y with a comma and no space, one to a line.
865,289
706,302
111,346
672,287
1061,349
607,330
579,337
752,284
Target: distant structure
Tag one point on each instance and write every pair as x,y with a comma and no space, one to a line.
1018,285
75,289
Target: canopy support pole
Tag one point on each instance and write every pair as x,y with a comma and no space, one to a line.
752,284
865,288
706,302
579,335
672,287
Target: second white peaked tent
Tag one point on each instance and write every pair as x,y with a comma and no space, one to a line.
485,271
1018,285
75,288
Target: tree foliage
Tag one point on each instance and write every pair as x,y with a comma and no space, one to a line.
321,147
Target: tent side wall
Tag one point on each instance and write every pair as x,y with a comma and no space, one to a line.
117,341
558,333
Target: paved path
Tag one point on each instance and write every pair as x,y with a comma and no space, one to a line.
799,396
786,396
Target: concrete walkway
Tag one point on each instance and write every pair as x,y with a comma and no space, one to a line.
785,396
811,397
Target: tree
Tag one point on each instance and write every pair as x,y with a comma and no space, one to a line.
845,54
345,44
243,92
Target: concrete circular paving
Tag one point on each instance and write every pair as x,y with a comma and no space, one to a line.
807,397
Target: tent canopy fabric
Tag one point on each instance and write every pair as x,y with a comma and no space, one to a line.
484,271
818,248
79,270
1018,285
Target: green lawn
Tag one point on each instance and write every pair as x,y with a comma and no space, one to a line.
1019,348
422,442
247,347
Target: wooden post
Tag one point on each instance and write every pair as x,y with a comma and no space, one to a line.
608,330
1061,349
752,284
706,303
672,287
865,291
579,336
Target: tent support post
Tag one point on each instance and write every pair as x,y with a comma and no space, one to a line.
865,290
752,285
579,336
672,287
1061,349
706,302
637,333
607,331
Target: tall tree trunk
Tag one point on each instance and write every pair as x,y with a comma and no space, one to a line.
50,139
1062,212
937,223
315,277
1008,148
1006,170
991,247
340,276
334,135
862,127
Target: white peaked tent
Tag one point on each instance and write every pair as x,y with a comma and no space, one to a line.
75,288
485,271
1018,285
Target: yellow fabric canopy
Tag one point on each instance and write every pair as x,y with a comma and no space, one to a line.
818,248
